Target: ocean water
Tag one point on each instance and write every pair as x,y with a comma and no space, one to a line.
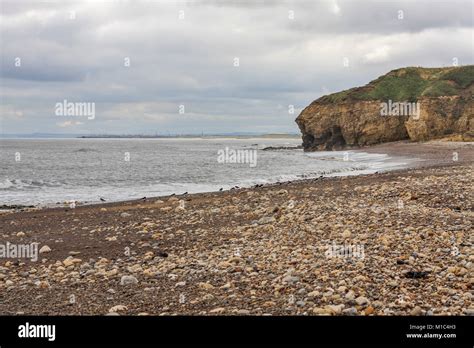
47,171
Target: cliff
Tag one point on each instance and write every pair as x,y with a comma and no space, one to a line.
409,103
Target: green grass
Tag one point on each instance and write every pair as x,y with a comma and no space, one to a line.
463,76
409,84
440,88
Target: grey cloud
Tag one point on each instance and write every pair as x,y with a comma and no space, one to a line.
190,61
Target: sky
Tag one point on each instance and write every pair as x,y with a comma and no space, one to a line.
187,67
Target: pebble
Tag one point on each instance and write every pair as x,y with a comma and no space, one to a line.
118,308
290,279
266,220
350,311
361,300
128,279
45,249
416,311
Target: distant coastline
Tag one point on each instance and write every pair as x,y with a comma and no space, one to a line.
154,136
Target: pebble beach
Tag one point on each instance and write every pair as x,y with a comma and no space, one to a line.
394,243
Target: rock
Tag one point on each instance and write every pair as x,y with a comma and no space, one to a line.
300,303
226,286
243,311
180,284
369,310
361,300
346,234
321,311
350,296
118,308
205,286
349,311
45,249
20,234
128,280
43,284
416,311
125,215
335,309
469,311
266,220
69,261
217,310
290,279
416,275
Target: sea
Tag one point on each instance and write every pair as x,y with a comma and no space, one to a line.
46,172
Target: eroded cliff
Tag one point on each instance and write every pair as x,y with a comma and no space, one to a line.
409,103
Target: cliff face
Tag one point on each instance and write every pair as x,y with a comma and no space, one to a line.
409,103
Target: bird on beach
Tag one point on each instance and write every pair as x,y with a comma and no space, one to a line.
221,189
102,200
185,193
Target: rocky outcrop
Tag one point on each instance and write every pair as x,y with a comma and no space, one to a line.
410,103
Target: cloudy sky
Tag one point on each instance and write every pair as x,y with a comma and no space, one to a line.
228,66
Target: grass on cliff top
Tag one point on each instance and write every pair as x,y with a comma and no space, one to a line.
408,84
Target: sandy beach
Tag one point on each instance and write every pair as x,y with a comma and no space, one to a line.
395,243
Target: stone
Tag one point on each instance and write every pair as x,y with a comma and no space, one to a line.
69,261
349,311
243,311
217,310
266,220
335,309
369,310
128,280
469,311
118,308
321,311
416,311
205,286
350,296
361,300
290,279
45,249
